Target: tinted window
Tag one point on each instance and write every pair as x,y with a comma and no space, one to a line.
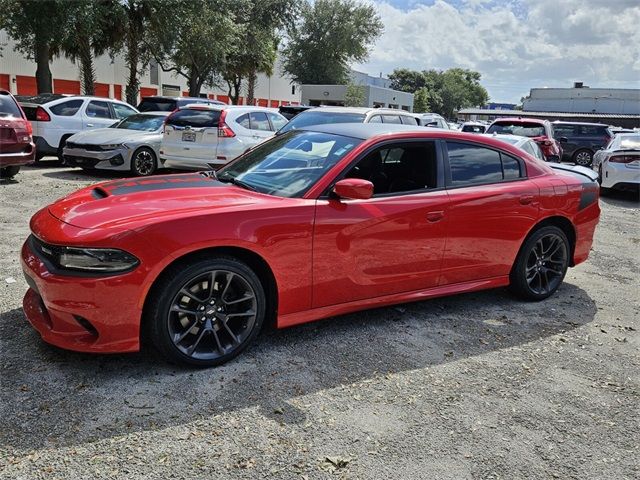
8,107
510,167
243,121
194,118
592,131
122,111
277,121
375,119
402,168
146,123
391,119
68,109
157,105
524,129
409,121
318,117
259,121
563,130
98,110
471,164
473,128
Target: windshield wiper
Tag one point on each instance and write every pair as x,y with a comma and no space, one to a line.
235,181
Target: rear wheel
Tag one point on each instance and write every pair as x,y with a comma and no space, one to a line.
206,313
143,162
9,172
583,158
541,264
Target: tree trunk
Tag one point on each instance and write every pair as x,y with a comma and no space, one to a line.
251,87
86,69
234,89
133,84
43,72
195,84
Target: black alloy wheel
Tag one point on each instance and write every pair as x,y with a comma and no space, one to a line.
208,313
143,162
541,264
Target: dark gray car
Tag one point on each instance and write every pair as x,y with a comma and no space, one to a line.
581,140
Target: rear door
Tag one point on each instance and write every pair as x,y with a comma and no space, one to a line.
492,206
192,133
260,126
97,114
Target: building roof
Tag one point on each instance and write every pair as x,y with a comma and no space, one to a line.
525,113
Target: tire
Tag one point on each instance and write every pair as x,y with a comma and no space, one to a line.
205,326
144,162
9,172
541,264
583,157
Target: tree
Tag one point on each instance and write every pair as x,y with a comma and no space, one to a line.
354,96
330,35
194,40
91,33
406,80
35,25
421,99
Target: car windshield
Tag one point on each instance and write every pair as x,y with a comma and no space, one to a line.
288,165
145,123
524,129
316,117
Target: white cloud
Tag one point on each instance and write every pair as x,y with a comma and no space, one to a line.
516,45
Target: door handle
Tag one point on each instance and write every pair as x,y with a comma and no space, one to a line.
526,199
435,216
90,125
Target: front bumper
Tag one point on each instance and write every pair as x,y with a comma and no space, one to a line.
86,314
117,159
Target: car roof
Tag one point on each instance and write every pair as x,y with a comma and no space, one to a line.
363,110
45,98
237,108
364,131
159,113
520,119
512,139
560,122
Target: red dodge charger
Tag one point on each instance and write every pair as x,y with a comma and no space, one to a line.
312,223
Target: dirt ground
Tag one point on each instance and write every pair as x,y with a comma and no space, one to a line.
475,386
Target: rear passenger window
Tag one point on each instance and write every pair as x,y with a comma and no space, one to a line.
376,119
476,165
98,110
243,121
409,121
68,109
391,119
277,121
259,121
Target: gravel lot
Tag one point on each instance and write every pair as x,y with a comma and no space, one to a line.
475,386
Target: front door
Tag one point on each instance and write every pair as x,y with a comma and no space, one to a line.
390,243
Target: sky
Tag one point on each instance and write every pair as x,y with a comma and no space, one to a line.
515,44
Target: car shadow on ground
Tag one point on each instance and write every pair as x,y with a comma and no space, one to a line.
52,397
621,198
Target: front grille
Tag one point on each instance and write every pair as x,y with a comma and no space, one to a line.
84,146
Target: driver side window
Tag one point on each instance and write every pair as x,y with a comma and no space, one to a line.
396,169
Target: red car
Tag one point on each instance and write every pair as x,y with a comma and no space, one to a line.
313,223
16,143
541,131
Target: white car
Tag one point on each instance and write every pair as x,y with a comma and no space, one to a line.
433,120
130,145
523,143
198,137
56,117
473,127
618,164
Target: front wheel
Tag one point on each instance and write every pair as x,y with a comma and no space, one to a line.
583,158
541,264
206,313
143,162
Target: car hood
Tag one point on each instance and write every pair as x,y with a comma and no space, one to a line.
131,203
107,136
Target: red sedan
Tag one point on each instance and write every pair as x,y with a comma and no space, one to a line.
313,223
16,143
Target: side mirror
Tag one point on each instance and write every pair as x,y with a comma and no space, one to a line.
353,189
563,139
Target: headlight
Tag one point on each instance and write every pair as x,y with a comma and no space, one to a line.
98,260
111,146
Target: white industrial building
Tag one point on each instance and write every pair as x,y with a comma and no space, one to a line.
582,99
17,74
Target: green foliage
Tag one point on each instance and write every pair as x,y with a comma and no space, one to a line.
442,92
330,35
354,96
193,41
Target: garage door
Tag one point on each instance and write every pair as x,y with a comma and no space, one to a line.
26,85
66,86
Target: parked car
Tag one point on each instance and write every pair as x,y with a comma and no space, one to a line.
616,130
541,131
16,141
316,222
327,115
159,103
56,117
290,111
618,164
130,145
473,127
433,120
581,140
201,137
523,143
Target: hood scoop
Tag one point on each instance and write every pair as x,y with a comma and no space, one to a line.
99,192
